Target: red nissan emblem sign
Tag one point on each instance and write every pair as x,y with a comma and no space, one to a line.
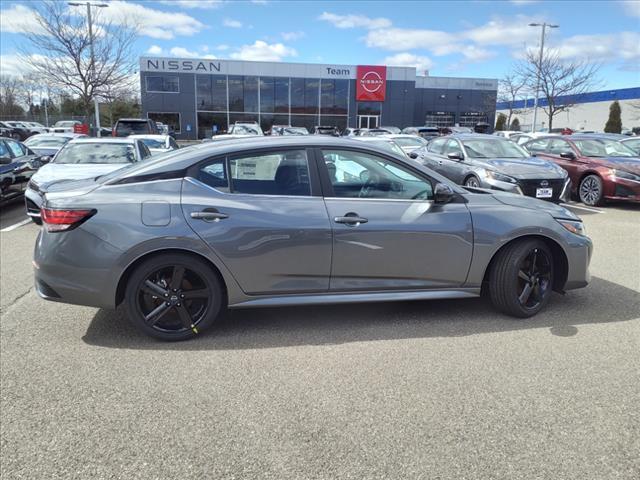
371,83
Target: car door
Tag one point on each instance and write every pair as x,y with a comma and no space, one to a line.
21,156
263,215
387,232
454,169
431,154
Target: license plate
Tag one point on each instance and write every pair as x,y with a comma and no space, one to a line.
544,192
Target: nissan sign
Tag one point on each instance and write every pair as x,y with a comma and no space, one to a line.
371,83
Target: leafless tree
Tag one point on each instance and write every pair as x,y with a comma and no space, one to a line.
509,89
561,80
61,51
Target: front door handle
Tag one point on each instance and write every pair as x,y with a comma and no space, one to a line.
351,219
209,215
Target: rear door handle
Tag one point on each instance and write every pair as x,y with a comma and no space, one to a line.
351,219
209,215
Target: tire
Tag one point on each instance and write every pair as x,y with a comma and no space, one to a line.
157,283
471,181
590,190
507,283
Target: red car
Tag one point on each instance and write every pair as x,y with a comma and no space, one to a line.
600,168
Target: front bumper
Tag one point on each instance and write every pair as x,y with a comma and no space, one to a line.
561,188
579,253
33,202
623,190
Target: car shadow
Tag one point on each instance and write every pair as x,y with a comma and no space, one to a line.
601,302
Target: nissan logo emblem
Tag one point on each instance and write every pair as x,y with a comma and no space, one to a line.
371,82
544,183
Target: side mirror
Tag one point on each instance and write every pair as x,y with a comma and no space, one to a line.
45,160
443,193
456,156
413,155
35,164
568,155
5,160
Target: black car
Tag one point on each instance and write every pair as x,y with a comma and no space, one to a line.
135,126
14,131
17,164
326,130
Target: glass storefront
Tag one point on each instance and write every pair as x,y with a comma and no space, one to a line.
222,100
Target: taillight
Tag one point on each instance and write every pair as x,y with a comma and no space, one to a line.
60,220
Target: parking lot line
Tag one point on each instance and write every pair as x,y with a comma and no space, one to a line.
16,225
580,207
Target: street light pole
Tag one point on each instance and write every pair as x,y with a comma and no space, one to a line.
93,60
535,100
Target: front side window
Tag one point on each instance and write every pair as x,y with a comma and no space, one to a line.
362,175
453,147
163,83
273,173
556,147
96,152
214,174
603,148
16,149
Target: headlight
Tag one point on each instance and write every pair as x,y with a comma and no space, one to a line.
573,226
625,175
500,177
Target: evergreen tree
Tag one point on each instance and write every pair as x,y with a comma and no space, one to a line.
501,122
515,125
614,124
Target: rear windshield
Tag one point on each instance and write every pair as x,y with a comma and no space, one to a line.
153,142
91,153
46,141
65,123
130,127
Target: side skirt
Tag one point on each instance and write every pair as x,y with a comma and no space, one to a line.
356,297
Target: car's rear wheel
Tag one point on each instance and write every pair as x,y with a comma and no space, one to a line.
173,297
590,190
521,278
472,181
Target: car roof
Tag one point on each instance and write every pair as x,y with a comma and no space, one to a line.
59,134
595,136
475,136
150,136
126,140
399,135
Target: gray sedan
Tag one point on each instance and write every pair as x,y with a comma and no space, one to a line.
484,161
290,221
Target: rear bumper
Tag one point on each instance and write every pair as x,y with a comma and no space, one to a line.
75,267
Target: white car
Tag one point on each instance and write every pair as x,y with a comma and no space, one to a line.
506,133
408,143
157,143
521,138
240,130
64,126
80,159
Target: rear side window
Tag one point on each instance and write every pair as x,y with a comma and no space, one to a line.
16,149
273,173
4,152
436,145
537,145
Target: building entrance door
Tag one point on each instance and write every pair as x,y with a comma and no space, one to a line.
368,121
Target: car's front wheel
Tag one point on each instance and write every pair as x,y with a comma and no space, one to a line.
472,181
521,278
173,296
590,190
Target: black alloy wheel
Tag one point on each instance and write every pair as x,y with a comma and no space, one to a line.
472,182
590,190
173,297
521,278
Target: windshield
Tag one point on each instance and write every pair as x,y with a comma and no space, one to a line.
410,141
46,141
153,143
244,130
603,148
94,152
295,131
483,148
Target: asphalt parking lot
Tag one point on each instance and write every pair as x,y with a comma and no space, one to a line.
440,389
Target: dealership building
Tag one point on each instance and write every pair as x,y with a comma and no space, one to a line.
201,97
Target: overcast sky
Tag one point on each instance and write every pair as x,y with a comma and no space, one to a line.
453,38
